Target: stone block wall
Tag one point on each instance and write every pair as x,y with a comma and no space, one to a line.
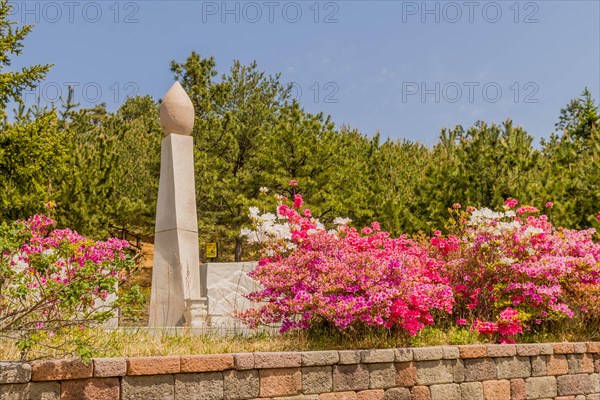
560,371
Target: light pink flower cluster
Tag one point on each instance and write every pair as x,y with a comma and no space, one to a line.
57,277
71,257
347,278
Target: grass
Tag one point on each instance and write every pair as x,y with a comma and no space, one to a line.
141,342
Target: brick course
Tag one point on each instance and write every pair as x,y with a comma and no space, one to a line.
377,356
152,365
450,391
349,357
61,370
243,361
110,367
350,377
338,396
574,384
496,390
403,355
277,360
314,358
471,390
397,394
420,393
317,379
450,353
513,367
206,363
580,363
202,386
517,389
473,351
539,388
557,365
382,375
479,369
563,348
280,382
31,390
428,353
406,374
238,385
377,394
556,371
151,387
502,350
90,389
14,372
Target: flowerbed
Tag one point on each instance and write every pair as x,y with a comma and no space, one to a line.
500,273
54,283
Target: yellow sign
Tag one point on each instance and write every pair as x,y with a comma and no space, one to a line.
212,250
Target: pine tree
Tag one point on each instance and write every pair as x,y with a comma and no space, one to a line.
398,171
306,147
481,166
32,157
12,83
570,164
233,119
111,175
579,117
32,151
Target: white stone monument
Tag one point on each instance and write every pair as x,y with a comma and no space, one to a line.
176,296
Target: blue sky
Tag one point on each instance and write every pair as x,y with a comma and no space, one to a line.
403,68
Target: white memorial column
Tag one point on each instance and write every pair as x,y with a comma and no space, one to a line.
175,274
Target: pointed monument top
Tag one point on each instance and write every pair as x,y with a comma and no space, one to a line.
177,112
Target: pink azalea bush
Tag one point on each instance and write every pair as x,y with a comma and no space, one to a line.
342,277
498,273
512,269
52,279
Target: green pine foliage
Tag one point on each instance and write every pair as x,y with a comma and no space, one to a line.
32,157
569,168
32,150
113,168
12,83
101,168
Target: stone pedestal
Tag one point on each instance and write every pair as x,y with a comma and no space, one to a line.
175,275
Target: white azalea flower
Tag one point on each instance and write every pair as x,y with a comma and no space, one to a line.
530,231
507,261
254,211
268,217
246,232
342,221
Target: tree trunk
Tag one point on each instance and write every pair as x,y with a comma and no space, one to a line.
238,249
237,252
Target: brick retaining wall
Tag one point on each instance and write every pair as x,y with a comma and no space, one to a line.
561,371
